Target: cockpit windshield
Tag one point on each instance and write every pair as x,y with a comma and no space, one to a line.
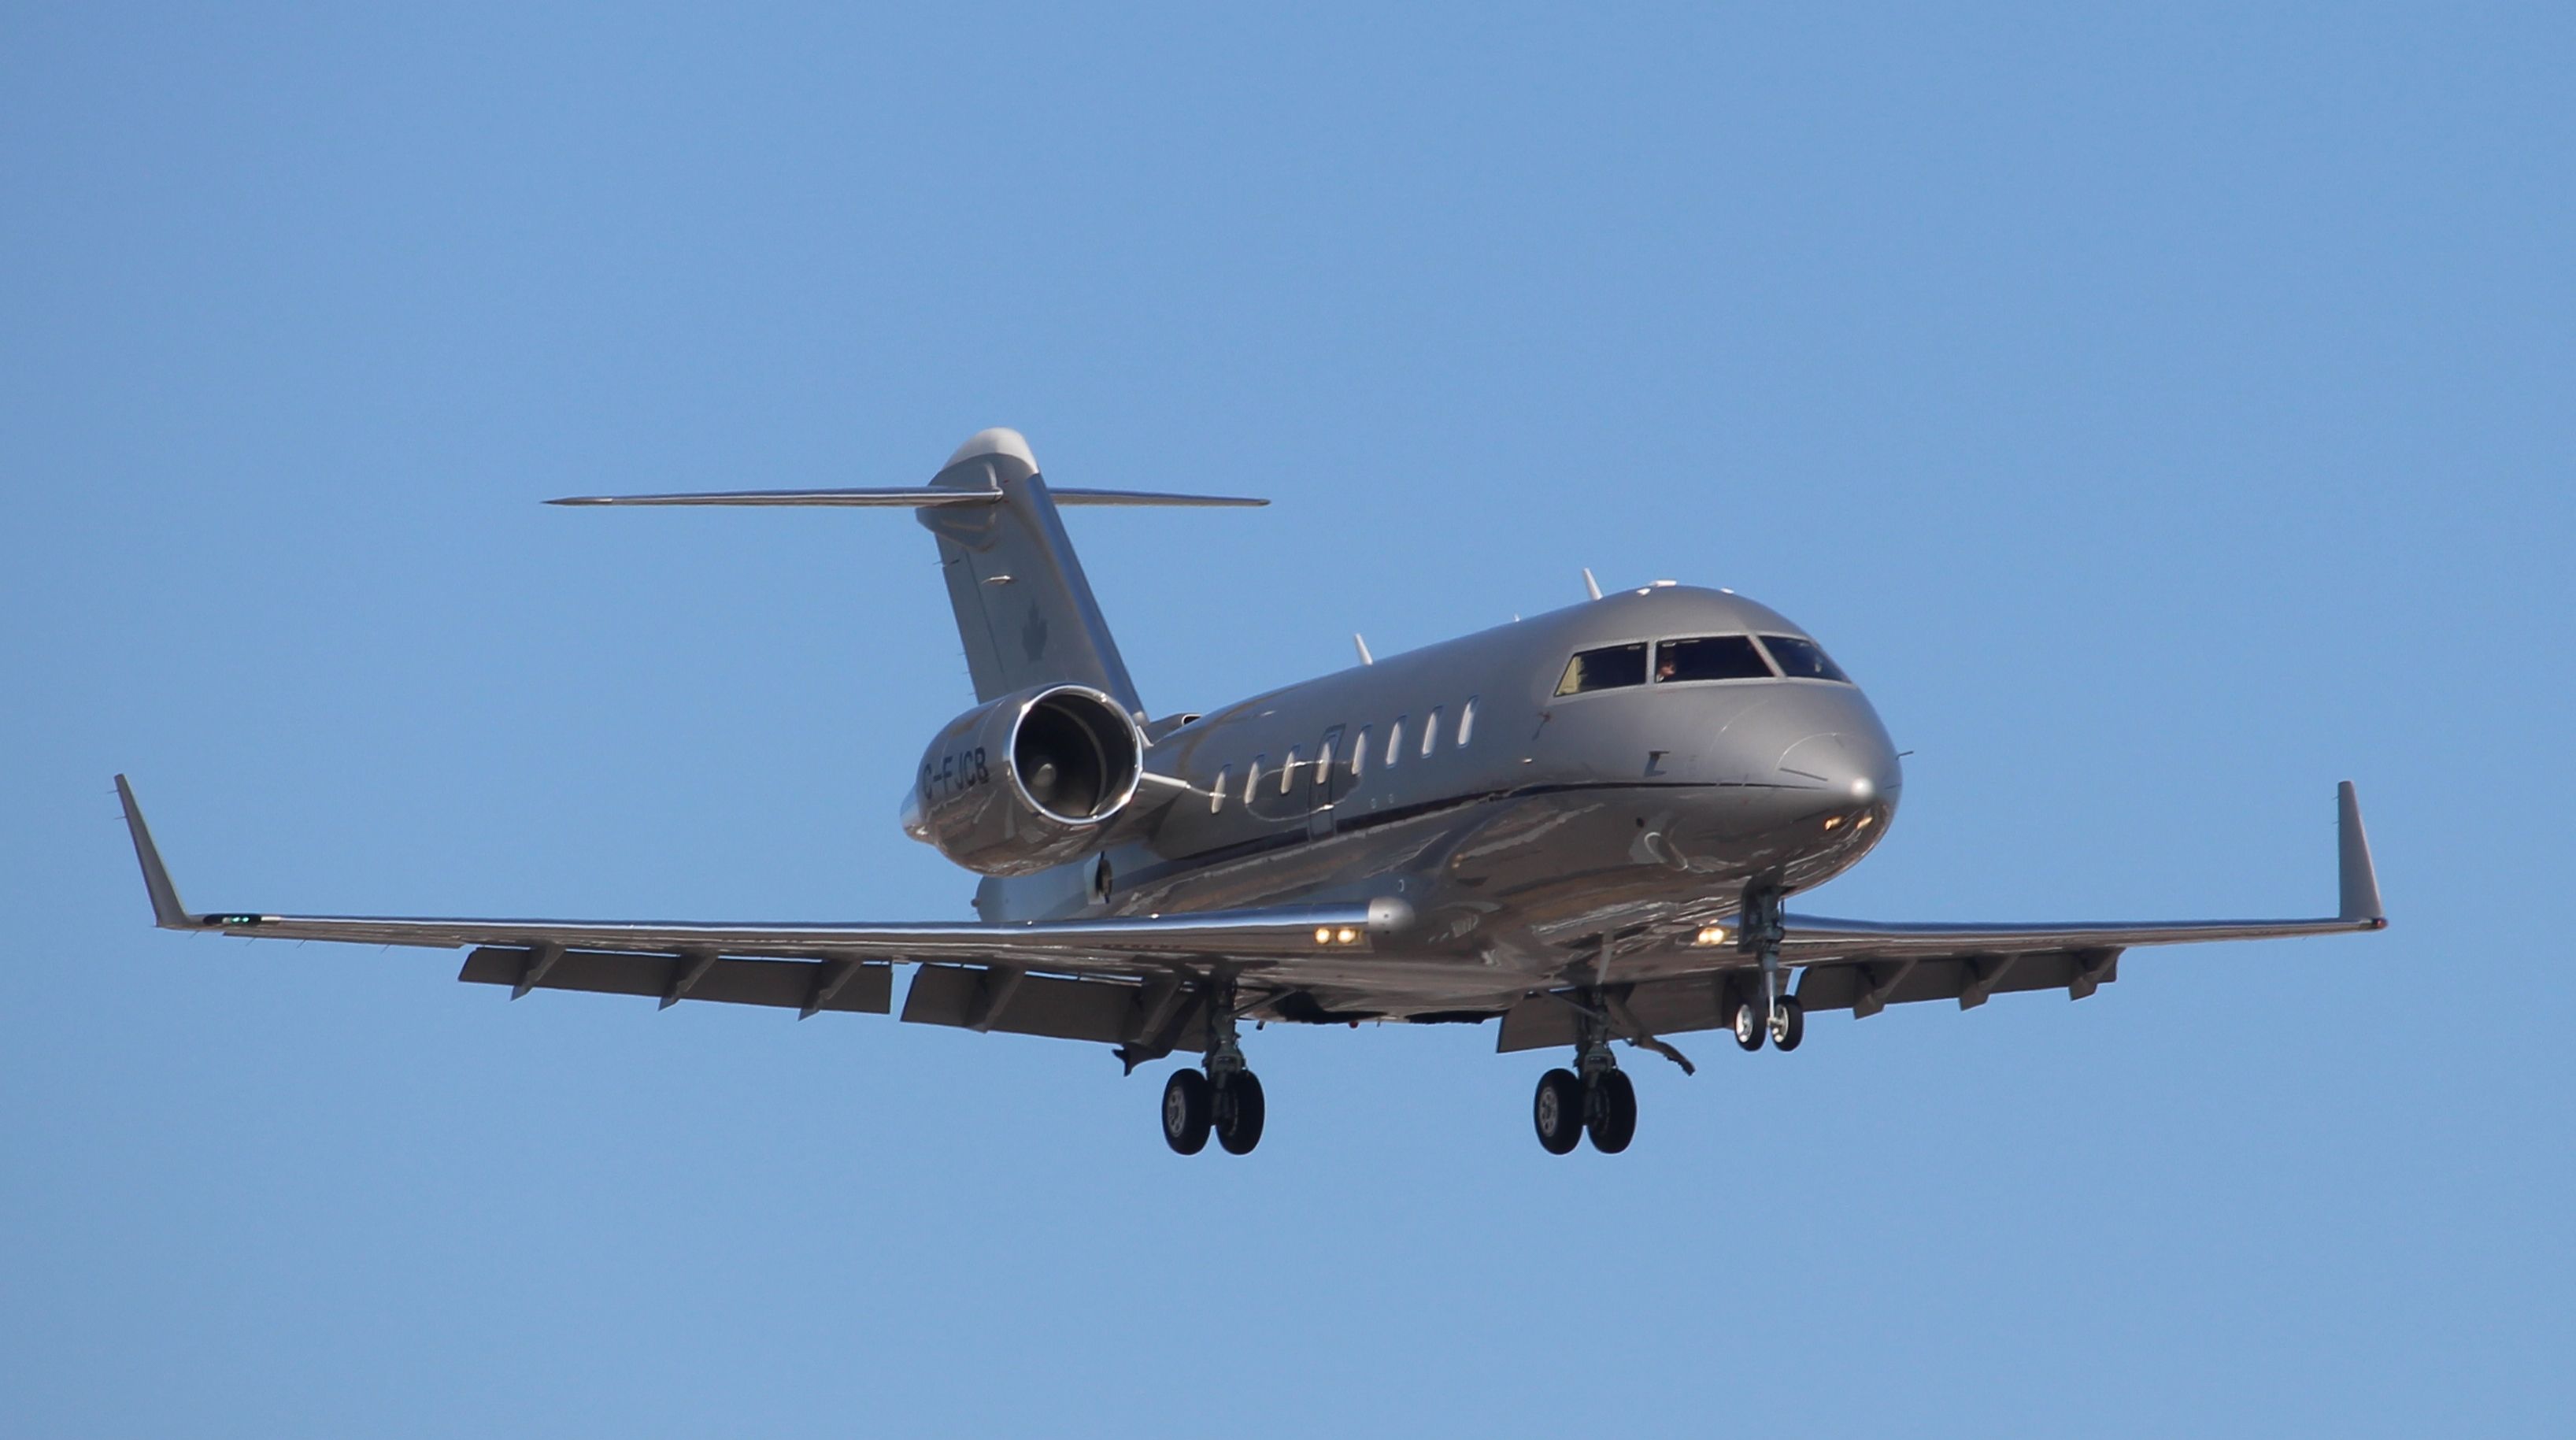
1802,659
1712,657
1607,668
1697,657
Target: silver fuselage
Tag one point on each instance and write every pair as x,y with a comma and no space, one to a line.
1556,820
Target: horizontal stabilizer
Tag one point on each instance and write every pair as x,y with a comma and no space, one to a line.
1146,497
920,495
915,497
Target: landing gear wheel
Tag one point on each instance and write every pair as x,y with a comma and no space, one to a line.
1239,1112
1788,1024
1613,1106
1748,1025
1558,1111
1186,1111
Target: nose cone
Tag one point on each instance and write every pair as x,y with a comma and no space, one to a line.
1837,750
1843,767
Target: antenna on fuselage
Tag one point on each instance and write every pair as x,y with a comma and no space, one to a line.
1362,646
1591,586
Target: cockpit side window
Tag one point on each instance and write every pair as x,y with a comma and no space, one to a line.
1802,659
1712,657
1608,668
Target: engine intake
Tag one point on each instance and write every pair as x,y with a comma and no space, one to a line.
1026,781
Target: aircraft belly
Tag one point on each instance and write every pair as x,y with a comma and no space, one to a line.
1507,891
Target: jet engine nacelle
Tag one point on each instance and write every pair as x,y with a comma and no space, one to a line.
1026,781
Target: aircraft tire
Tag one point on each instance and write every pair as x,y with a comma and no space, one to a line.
1557,1111
1186,1111
1239,1113
1750,1032
1613,1120
1791,1025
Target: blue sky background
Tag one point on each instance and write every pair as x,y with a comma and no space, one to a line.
2164,414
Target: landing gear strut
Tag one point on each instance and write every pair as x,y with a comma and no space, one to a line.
1224,1099
1595,1098
1770,1013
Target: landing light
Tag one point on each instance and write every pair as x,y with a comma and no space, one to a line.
1710,935
1323,934
1863,822
1348,936
1833,822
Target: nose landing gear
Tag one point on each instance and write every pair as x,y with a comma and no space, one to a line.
1770,1014
1784,1027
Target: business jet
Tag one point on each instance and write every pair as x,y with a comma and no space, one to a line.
1583,826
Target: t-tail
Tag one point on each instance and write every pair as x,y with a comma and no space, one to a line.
1025,614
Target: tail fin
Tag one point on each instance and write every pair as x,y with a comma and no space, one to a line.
1024,611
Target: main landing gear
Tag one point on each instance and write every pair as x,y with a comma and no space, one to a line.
1595,1098
1223,1100
1569,1107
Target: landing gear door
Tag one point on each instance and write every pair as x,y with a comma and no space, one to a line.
1329,782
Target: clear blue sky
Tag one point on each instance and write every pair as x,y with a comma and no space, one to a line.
2164,416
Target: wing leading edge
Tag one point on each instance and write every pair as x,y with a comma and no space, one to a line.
1808,938
1122,947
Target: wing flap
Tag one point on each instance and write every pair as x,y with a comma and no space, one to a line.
1015,1003
807,985
1658,1007
1867,987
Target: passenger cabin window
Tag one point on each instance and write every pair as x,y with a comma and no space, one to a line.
1288,770
1359,753
1466,722
1431,730
1715,657
1608,668
1216,792
1395,742
1802,659
1324,759
1252,776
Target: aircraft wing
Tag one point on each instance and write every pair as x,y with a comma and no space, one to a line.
1864,966
1812,938
847,965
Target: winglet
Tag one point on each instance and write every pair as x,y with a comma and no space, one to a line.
167,912
2359,879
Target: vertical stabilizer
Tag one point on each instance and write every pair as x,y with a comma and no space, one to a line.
1024,611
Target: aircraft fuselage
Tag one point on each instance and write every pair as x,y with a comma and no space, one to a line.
1520,823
